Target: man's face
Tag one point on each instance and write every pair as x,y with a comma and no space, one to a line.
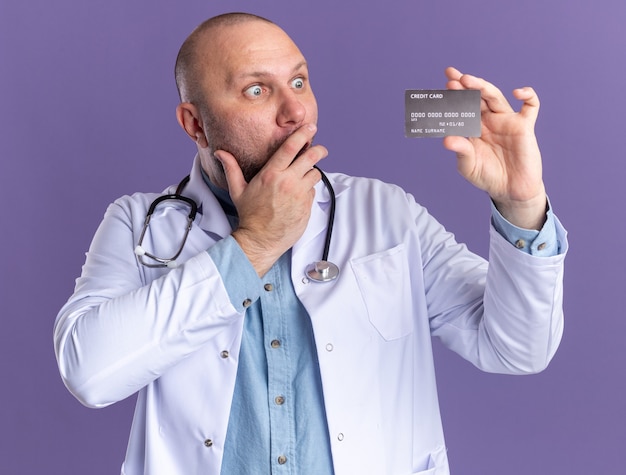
257,92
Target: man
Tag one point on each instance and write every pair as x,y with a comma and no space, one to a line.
242,364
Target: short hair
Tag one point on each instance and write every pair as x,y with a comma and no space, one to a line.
187,72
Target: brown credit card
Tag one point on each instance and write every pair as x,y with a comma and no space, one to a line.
442,112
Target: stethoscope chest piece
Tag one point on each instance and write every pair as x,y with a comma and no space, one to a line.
322,271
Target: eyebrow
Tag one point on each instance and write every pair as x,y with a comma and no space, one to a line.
260,74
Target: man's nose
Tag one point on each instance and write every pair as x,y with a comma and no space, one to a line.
291,110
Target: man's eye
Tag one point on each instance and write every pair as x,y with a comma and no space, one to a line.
297,83
254,91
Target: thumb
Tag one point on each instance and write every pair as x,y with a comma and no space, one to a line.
232,171
459,145
464,153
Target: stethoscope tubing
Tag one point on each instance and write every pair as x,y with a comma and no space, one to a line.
318,271
331,214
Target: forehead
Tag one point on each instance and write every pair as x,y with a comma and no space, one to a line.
250,48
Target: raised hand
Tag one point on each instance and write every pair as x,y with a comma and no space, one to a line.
274,208
505,161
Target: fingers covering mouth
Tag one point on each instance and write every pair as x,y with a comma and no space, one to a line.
303,149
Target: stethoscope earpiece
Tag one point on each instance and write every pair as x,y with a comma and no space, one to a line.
170,262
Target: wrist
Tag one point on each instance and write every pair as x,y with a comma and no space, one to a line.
261,256
526,214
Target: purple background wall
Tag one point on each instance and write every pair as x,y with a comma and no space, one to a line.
87,114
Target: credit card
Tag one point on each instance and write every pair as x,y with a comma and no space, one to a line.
442,112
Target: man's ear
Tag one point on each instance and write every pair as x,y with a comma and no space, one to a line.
189,119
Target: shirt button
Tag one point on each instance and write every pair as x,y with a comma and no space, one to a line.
280,400
520,243
275,344
305,280
224,354
247,303
340,436
208,443
268,287
329,347
282,460
541,246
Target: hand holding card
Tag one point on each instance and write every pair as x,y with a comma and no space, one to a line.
505,160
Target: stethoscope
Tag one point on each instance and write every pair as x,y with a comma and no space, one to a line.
318,271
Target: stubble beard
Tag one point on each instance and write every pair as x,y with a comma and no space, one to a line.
250,161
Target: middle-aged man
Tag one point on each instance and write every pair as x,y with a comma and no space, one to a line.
242,363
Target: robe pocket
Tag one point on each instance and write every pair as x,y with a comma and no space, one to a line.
384,282
437,463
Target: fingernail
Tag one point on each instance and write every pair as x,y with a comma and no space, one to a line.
311,127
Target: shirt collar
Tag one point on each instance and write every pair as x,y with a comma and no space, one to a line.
223,197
